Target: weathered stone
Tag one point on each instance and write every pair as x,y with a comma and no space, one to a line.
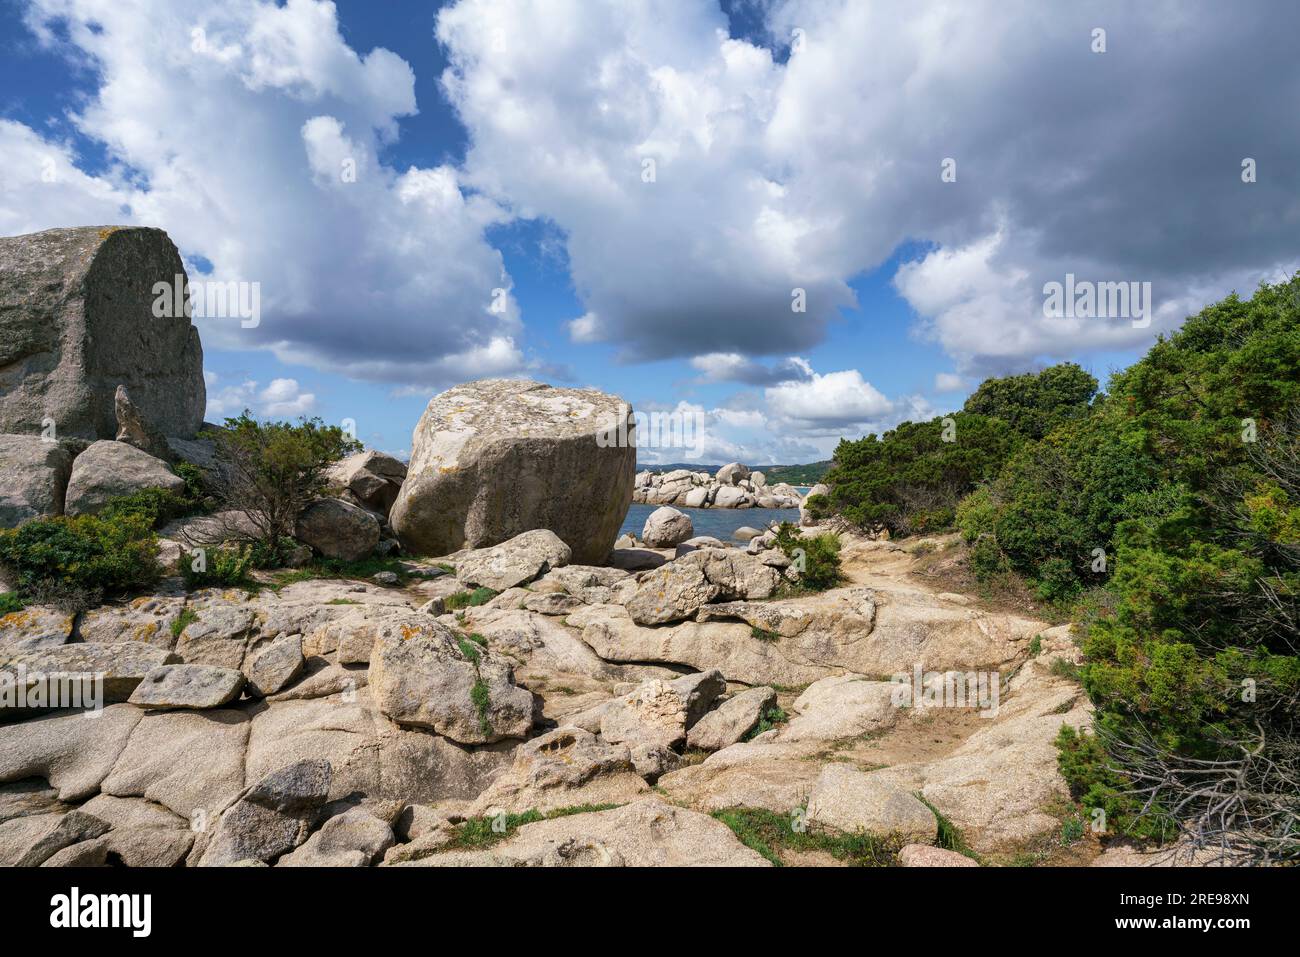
926,855
109,470
731,720
71,750
218,636
372,478
77,320
424,676
497,457
731,474
35,474
354,838
35,628
671,592
121,666
187,686
842,706
134,429
666,527
271,817
148,619
338,529
514,562
75,827
846,799
661,712
646,833
275,666
92,853
189,761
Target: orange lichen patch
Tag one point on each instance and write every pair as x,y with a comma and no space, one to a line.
18,619
145,631
409,632
448,468
108,231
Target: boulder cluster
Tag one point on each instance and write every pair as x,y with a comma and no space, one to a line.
732,486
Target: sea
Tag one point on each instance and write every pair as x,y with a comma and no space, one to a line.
718,522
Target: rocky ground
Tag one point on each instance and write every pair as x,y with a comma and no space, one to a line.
613,714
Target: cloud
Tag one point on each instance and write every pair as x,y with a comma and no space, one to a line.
280,399
770,176
829,401
252,133
734,367
948,382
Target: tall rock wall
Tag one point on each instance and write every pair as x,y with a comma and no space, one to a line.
76,321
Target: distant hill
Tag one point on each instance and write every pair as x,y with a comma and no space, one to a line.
809,474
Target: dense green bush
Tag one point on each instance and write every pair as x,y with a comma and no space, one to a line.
1194,667
1052,510
1035,403
910,479
77,561
225,565
816,557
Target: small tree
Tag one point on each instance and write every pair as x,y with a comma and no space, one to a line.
268,472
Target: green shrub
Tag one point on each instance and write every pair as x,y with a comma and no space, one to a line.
1036,403
11,602
224,566
816,558
270,471
78,561
910,479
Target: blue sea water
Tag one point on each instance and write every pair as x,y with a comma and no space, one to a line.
718,522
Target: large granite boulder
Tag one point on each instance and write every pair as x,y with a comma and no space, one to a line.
77,320
424,676
666,527
370,479
109,470
338,529
497,457
35,474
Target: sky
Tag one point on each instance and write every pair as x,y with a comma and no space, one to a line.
783,223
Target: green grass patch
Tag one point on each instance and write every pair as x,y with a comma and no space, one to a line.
1036,645
11,602
186,618
770,834
470,650
469,599
762,634
949,838
767,721
343,601
483,832
337,568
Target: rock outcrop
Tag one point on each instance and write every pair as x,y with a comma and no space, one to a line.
109,470
733,486
370,479
36,475
498,457
77,320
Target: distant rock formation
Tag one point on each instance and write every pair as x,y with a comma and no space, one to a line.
495,458
734,486
76,321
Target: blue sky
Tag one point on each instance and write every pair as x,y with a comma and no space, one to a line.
502,145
